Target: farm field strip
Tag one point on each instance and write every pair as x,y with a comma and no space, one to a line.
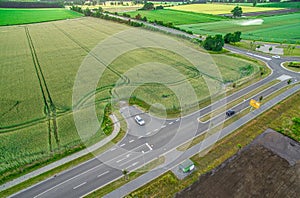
269,29
177,17
10,16
218,8
58,49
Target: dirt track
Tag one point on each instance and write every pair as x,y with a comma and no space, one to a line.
268,167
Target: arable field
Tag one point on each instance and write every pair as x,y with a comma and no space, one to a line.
264,29
218,8
176,17
10,16
39,65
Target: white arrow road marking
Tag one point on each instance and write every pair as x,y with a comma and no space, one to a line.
79,185
149,146
103,173
113,149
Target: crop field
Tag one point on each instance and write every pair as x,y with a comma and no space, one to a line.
176,17
10,16
218,8
39,65
265,29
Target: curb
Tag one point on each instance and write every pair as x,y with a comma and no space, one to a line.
65,159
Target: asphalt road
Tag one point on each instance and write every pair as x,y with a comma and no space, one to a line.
145,143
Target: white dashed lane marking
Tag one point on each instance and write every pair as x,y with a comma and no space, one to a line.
122,145
103,173
131,141
79,185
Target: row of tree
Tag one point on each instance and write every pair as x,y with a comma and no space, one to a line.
98,13
216,43
25,4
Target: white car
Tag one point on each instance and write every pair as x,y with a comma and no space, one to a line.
139,120
276,56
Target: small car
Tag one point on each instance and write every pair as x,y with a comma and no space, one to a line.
276,56
139,120
230,113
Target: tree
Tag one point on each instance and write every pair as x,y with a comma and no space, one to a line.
254,3
270,49
87,12
138,16
215,43
228,37
236,37
237,11
148,6
232,38
125,173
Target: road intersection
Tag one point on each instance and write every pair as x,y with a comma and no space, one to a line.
158,137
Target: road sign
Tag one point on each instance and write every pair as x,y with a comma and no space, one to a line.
254,103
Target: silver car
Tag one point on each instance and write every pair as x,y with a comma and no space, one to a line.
139,120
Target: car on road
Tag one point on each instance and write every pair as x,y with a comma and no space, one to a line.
139,120
230,113
276,56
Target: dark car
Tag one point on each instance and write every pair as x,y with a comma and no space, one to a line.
230,113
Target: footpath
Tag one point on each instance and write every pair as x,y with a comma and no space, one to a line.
65,159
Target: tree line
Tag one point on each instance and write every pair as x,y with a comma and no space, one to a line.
37,4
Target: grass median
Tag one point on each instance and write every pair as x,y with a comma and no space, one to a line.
277,118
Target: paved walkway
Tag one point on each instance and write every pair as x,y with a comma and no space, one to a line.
65,159
151,175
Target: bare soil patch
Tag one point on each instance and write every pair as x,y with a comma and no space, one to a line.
268,167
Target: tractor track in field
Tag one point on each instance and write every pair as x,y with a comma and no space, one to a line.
49,108
88,51
152,50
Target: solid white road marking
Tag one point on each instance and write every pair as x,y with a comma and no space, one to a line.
113,149
131,141
79,185
171,123
149,146
122,145
148,133
156,130
103,173
140,137
163,126
67,181
177,120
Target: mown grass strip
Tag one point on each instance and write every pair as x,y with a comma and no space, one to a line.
229,121
237,101
167,184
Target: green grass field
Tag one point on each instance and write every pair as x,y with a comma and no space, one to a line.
176,17
218,8
10,16
281,28
55,51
